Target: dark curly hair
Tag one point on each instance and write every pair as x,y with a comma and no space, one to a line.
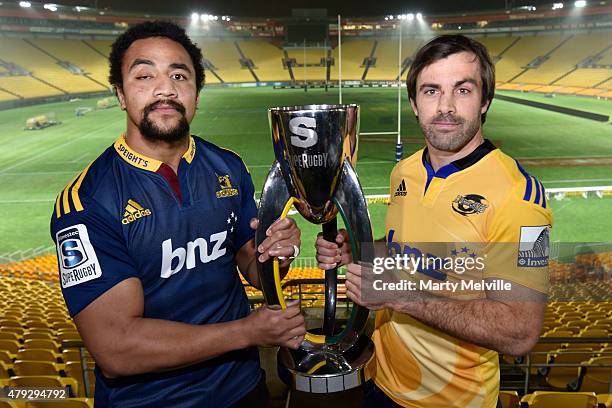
444,46
150,29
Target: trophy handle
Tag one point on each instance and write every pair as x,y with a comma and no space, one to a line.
353,209
273,202
330,231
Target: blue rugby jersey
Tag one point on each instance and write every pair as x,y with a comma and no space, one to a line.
125,216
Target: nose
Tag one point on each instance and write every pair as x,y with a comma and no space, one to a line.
165,88
446,103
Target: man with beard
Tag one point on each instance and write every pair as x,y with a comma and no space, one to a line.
439,348
149,237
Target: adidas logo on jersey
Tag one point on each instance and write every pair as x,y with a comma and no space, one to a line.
134,211
401,190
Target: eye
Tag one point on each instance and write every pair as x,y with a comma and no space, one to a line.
178,77
430,92
464,91
143,76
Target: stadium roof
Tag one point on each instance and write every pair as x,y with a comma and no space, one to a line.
282,8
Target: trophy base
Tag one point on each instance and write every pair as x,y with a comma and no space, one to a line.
329,378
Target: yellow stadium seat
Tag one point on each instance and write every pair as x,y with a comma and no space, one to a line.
560,377
6,357
509,399
12,404
604,400
64,403
74,369
37,335
547,399
12,346
40,344
45,381
37,355
27,367
68,335
596,379
5,370
9,336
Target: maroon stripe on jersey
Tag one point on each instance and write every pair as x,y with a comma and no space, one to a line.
172,179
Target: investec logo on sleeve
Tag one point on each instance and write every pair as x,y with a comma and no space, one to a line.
77,259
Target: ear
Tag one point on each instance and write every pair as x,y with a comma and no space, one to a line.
414,107
121,97
485,107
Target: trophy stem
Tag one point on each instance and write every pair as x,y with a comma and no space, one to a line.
330,231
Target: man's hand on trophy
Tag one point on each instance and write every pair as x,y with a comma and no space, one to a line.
330,254
283,241
356,280
272,326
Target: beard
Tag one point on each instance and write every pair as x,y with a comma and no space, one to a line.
451,141
149,129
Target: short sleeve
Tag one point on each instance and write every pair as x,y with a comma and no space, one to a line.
518,244
248,208
91,253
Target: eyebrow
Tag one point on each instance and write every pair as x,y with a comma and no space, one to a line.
142,61
458,83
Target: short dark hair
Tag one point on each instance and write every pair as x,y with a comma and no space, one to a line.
150,29
444,46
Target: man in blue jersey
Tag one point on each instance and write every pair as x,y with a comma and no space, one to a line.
149,237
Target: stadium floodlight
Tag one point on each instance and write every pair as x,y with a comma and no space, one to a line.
50,7
557,6
204,17
410,16
419,16
25,4
580,3
195,17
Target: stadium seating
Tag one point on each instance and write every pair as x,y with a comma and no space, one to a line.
45,67
544,399
526,49
79,53
563,59
268,60
225,58
308,57
354,51
509,399
386,67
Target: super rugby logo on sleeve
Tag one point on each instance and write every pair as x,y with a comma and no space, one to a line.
534,247
77,258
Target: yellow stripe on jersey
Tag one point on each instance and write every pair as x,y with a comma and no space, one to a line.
65,201
75,190
57,206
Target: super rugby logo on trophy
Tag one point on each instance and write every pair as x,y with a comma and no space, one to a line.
316,149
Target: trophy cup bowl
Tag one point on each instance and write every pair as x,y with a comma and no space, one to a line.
316,150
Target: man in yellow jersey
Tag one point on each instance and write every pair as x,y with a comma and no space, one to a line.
439,348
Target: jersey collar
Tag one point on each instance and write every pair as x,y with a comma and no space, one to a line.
144,162
460,164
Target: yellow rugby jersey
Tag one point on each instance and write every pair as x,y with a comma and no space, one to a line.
485,197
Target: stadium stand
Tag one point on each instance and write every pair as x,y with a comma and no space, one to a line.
267,58
44,66
354,51
225,60
565,58
309,63
79,53
386,66
525,51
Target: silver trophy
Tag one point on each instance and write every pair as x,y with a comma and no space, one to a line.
316,150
